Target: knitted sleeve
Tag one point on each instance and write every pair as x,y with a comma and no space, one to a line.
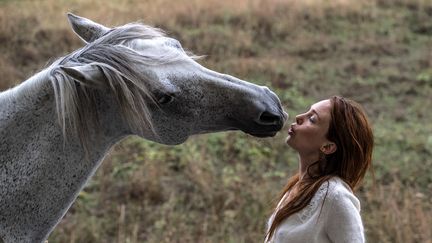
344,224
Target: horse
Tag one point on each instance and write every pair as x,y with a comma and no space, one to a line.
57,126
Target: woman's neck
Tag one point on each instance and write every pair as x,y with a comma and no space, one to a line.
305,160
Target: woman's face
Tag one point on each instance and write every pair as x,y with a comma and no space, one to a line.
308,133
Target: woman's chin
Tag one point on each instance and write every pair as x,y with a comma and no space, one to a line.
288,141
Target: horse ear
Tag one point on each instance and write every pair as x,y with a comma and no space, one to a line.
86,29
87,75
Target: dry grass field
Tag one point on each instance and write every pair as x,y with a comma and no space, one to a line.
219,187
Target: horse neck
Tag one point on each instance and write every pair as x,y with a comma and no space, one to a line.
38,168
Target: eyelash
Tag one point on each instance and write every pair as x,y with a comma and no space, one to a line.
312,119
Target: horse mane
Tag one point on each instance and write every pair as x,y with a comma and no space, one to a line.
76,103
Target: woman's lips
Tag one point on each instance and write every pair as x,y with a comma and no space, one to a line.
291,131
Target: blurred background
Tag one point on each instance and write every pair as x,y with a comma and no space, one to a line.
221,187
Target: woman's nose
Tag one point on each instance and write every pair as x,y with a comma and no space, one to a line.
298,119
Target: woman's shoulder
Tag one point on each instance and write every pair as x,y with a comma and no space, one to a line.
340,193
342,221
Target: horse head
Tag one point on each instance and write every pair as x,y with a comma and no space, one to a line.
165,95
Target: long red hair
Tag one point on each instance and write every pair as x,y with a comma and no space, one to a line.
350,130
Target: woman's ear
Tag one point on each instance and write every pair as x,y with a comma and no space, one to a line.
328,148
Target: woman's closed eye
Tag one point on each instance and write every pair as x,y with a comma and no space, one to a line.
312,119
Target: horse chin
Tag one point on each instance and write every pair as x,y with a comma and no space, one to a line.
255,129
263,131
263,135
176,141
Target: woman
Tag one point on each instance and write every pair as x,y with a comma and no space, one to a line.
334,142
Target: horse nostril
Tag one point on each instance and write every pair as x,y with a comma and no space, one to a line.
268,118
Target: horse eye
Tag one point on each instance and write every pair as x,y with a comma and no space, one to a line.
165,99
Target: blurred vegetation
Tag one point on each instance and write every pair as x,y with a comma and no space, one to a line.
220,187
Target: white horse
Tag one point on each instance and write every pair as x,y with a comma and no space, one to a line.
57,126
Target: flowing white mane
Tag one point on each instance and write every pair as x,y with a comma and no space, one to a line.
113,55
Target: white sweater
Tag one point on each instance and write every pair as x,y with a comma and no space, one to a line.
339,222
